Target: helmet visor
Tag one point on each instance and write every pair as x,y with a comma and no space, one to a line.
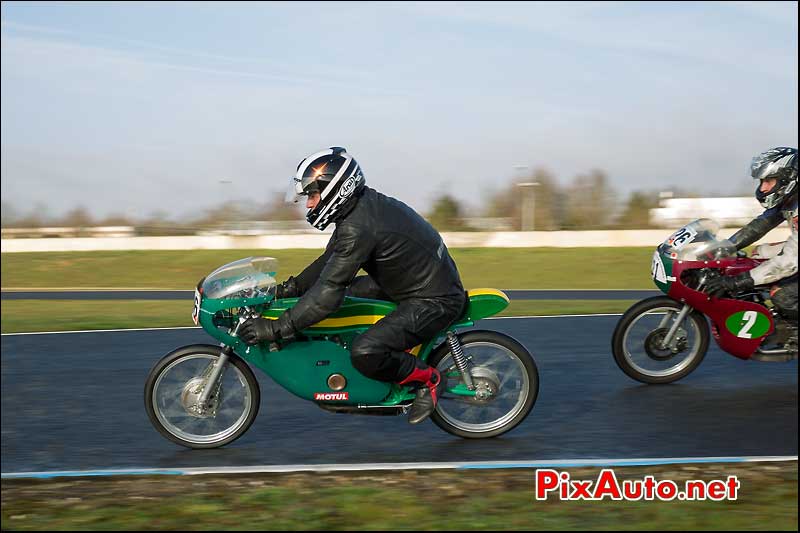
302,187
294,193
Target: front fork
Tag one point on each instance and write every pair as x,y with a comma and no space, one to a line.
675,325
219,368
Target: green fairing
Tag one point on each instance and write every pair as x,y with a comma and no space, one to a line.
303,366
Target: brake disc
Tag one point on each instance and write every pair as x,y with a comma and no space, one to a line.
654,340
190,399
486,385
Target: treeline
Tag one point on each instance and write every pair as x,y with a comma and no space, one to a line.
588,202
158,222
537,201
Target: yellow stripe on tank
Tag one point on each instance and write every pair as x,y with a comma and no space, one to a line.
353,321
360,320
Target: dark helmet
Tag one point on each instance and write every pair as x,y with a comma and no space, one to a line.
780,164
336,176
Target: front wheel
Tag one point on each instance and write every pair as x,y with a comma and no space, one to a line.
505,378
638,341
173,389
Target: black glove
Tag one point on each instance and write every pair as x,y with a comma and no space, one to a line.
729,284
287,289
257,330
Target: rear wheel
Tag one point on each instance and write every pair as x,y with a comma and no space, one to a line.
506,381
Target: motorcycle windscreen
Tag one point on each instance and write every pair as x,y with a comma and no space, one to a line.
698,241
243,278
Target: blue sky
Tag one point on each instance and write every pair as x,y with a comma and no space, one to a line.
129,108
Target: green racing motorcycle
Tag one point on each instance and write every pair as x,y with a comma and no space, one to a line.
206,396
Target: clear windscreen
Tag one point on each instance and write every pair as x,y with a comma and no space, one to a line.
698,241
246,278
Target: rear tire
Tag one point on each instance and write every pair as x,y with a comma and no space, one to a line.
500,362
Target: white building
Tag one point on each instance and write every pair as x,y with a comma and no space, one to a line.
729,212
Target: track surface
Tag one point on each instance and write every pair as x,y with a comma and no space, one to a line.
74,402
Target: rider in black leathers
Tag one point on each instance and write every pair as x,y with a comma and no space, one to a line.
407,262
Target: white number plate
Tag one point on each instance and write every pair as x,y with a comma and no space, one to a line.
681,237
196,310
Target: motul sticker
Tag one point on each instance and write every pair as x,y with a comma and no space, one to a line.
331,396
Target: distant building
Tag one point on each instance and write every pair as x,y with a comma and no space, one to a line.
729,212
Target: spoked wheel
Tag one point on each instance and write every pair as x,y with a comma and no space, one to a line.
173,390
506,385
638,341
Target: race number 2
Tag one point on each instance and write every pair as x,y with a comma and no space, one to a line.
748,324
749,319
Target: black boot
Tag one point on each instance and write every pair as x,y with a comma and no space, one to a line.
430,381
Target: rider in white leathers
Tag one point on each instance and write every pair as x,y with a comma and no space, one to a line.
776,173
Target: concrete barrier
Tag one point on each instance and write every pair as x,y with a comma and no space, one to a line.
508,239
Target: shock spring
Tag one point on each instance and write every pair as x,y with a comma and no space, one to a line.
459,359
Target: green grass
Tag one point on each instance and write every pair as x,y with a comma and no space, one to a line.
503,268
517,268
438,500
20,316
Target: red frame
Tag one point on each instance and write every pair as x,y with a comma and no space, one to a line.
718,310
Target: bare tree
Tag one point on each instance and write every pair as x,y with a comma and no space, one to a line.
589,202
277,208
637,211
78,217
9,215
546,204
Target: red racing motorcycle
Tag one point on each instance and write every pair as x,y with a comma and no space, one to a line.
664,338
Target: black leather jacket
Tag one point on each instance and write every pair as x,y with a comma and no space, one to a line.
398,248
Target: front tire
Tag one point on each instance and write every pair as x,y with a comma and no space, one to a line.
498,363
636,341
173,388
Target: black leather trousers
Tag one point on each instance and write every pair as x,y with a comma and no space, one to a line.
379,353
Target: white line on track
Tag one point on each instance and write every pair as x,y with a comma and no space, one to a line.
493,465
97,331
550,316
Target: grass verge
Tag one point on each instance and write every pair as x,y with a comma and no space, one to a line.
409,500
20,316
503,268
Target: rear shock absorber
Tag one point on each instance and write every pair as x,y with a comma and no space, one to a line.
459,359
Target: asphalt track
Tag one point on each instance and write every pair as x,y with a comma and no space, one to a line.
601,294
73,401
